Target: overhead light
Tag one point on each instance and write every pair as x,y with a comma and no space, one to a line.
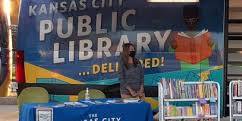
6,6
172,1
7,9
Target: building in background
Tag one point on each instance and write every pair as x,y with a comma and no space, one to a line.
4,65
8,33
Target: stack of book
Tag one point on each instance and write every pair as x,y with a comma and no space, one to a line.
237,89
172,110
237,107
176,89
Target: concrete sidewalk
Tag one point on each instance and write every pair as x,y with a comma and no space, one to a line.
10,113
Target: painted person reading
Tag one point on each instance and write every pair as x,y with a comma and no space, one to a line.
192,48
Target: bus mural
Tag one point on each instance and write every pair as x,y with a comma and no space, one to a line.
79,41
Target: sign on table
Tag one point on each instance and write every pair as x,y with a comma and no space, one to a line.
44,114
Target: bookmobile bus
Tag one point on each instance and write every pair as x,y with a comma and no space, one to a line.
66,46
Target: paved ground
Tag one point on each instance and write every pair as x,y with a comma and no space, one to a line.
10,113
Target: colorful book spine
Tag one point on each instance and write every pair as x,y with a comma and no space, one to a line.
179,111
239,88
206,109
235,89
194,110
177,89
239,107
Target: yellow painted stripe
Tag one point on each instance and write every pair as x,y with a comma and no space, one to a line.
32,73
73,98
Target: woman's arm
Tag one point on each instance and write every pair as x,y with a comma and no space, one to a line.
141,92
123,80
121,72
141,79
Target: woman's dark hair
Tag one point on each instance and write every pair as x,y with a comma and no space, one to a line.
125,55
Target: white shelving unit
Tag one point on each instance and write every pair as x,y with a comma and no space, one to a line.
232,99
162,101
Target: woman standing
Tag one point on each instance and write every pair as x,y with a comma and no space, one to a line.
131,74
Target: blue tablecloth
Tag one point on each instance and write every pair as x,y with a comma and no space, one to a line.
140,111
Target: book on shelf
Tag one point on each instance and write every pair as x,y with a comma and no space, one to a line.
197,110
213,108
206,109
237,89
177,89
173,111
237,107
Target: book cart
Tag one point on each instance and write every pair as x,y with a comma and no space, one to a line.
235,100
204,100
